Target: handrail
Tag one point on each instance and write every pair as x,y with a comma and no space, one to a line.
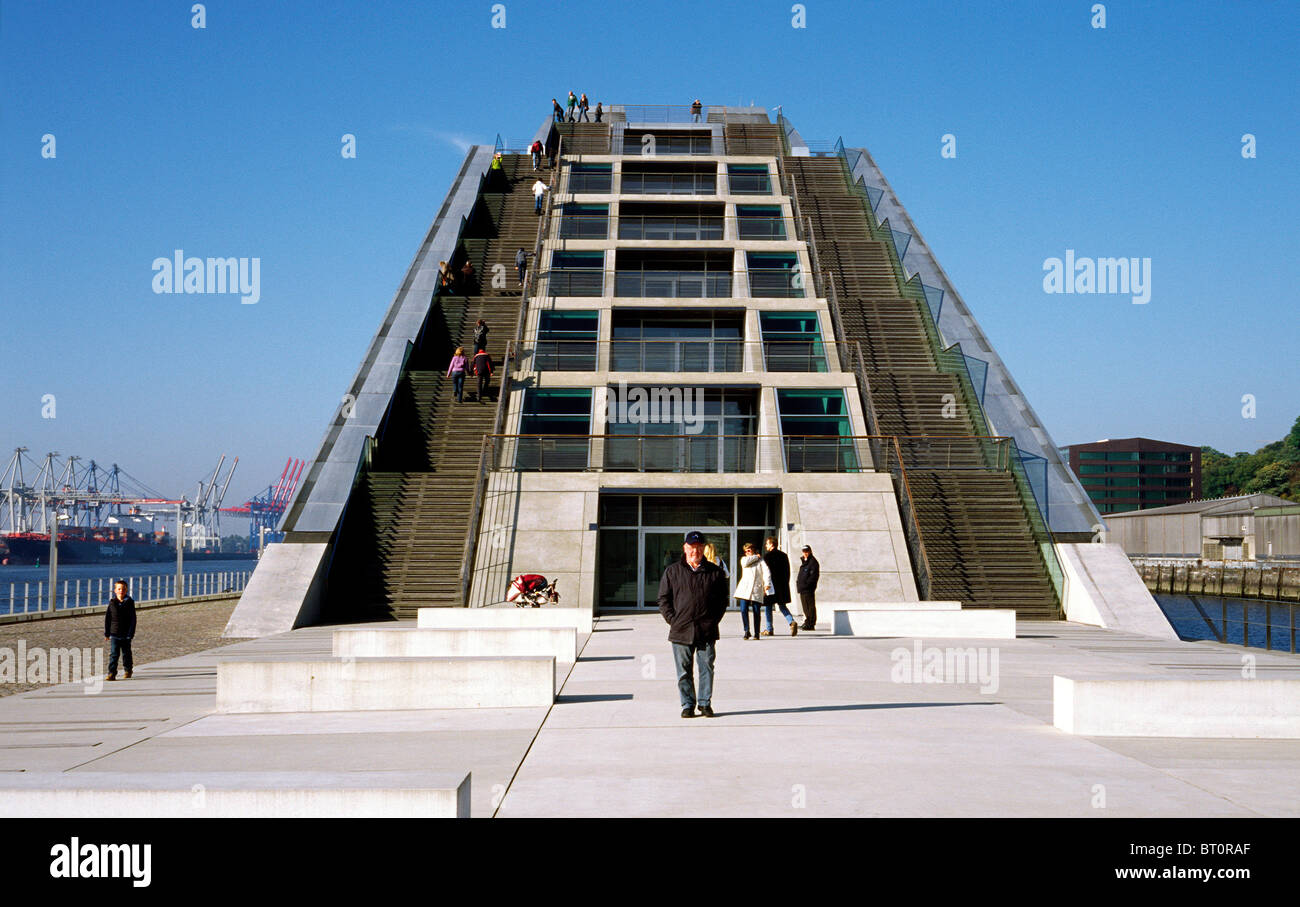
470,550
669,227
721,354
833,303
903,490
952,362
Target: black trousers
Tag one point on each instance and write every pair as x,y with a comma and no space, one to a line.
808,600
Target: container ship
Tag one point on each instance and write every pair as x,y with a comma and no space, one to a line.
123,539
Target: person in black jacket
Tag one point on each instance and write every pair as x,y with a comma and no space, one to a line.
806,585
119,628
779,566
693,596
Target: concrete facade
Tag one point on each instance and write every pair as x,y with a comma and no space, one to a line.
1103,589
548,523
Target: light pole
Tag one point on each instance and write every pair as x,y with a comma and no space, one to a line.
180,549
53,527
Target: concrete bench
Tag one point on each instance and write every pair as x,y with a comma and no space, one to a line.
1155,707
559,642
318,684
932,619
311,795
448,618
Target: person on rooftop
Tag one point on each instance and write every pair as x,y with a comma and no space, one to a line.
557,110
599,111
696,109
582,108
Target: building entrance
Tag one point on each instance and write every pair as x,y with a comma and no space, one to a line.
640,535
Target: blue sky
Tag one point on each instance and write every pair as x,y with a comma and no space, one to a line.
224,141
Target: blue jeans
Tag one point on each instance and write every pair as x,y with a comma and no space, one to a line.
539,202
458,384
745,606
704,655
119,646
767,608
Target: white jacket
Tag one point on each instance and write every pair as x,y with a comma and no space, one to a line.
755,580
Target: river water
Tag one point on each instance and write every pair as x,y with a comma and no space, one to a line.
1247,620
92,584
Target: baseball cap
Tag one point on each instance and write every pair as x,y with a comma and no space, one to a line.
695,537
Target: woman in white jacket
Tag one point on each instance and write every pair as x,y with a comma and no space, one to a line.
755,583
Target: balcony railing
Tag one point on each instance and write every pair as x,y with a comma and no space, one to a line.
669,283
704,452
676,355
672,227
668,183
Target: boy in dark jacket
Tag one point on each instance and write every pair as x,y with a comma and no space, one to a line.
119,628
693,597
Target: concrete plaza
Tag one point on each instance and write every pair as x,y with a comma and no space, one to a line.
812,725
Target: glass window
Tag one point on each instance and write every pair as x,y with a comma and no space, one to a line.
619,510
548,415
640,142
590,177
792,342
818,431
584,221
576,274
660,342
618,566
749,179
681,429
760,222
687,510
774,274
566,341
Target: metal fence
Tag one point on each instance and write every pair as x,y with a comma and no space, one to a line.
32,598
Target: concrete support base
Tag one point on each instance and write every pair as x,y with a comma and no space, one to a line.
299,795
936,622
561,643
1177,708
346,684
454,618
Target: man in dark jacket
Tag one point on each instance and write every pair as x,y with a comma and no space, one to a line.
778,565
119,627
693,595
806,585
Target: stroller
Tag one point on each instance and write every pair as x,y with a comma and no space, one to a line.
531,589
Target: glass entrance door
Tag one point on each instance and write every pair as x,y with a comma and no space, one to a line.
661,547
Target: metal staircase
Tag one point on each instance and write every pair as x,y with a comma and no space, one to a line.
981,542
403,536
